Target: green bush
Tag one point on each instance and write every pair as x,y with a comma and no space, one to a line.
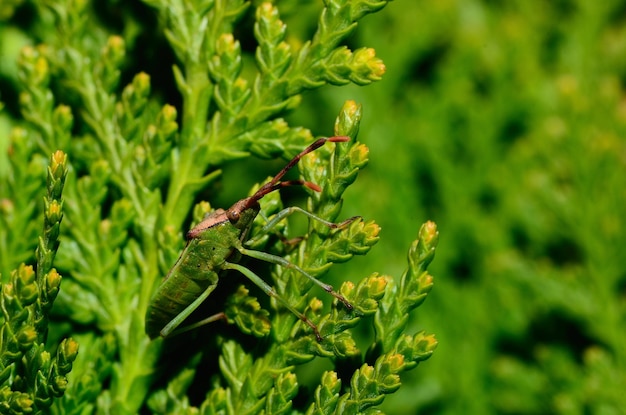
131,158
501,121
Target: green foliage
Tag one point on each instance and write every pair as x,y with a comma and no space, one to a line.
136,170
30,378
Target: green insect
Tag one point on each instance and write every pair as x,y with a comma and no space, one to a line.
215,245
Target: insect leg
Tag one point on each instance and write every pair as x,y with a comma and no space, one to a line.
272,293
177,320
290,210
203,322
275,259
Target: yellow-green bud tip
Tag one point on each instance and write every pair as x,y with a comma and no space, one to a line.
53,278
27,336
429,233
70,349
168,112
315,304
141,81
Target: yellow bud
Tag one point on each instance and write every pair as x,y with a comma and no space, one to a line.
347,289
345,346
395,362
7,290
351,108
330,380
25,99
23,403
115,41
141,82
226,44
428,233
364,55
44,359
431,342
367,56
54,209
289,382
60,383
115,48
315,305
263,326
26,273
267,9
347,123
53,279
241,84
70,349
377,285
63,110
26,337
59,158
359,155
42,70
372,229
6,207
105,227
140,154
168,112
367,371
427,279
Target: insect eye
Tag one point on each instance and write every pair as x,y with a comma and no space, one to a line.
233,216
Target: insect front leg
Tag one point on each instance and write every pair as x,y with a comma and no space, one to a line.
289,211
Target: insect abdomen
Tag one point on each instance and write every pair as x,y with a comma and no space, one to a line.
195,271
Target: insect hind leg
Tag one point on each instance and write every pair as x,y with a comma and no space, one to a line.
275,259
170,328
288,212
272,293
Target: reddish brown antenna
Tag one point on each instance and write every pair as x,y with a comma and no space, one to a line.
275,183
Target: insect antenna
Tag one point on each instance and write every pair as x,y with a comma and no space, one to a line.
268,189
275,183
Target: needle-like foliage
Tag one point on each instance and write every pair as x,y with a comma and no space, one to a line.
137,168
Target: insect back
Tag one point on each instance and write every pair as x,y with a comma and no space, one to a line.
214,246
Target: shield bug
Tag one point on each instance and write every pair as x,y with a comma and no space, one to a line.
216,245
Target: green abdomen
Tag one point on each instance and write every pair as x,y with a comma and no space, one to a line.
196,270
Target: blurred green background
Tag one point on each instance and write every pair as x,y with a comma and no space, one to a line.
504,122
